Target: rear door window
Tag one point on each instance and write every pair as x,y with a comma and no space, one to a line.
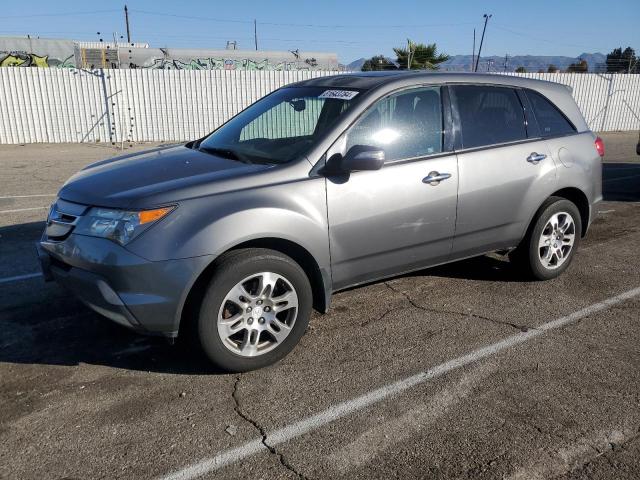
406,124
550,120
489,115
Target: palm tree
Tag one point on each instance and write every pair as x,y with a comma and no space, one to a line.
423,57
378,62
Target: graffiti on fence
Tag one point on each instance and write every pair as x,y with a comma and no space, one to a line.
211,63
28,59
36,52
192,59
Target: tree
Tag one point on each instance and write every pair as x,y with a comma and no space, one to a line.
580,67
423,57
622,61
521,70
378,62
552,68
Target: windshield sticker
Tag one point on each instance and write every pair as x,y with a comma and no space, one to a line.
339,94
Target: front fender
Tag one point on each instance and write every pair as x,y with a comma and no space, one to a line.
211,225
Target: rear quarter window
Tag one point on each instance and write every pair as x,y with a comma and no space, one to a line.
489,115
551,120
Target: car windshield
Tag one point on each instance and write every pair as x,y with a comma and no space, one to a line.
280,127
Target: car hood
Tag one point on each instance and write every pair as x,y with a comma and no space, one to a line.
161,175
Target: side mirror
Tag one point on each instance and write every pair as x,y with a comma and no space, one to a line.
362,157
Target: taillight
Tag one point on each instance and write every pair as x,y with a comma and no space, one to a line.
600,146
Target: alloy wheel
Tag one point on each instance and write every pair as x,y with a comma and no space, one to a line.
556,240
257,314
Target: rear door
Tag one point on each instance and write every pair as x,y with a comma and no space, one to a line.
505,168
392,220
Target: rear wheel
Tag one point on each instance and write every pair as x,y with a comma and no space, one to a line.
551,241
256,309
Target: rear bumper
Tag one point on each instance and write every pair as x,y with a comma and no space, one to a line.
134,292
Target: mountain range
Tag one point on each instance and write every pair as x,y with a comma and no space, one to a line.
532,63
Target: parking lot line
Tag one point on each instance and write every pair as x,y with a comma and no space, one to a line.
23,209
615,179
18,278
28,196
341,410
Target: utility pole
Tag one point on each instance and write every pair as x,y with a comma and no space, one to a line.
408,54
126,20
255,32
473,54
506,61
486,20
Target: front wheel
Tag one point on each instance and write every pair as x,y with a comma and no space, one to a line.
255,311
551,241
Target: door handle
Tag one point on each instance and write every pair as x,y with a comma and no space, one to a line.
434,178
536,157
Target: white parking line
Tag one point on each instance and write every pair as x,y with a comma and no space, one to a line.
20,277
336,412
615,179
28,196
23,209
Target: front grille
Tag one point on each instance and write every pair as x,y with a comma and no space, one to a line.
62,219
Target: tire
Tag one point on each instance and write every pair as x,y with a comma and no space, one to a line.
255,310
541,262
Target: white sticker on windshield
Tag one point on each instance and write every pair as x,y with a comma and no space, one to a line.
339,94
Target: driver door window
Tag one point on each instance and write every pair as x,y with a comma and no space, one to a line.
405,125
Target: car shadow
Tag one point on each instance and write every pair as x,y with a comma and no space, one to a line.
41,323
621,182
75,335
487,268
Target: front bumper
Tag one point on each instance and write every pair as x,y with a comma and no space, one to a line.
140,294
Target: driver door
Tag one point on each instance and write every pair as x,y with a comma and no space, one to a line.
395,219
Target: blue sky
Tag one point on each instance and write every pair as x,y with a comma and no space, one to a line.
353,29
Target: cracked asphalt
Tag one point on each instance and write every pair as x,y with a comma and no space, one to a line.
81,398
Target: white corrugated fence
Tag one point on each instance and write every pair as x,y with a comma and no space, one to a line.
58,105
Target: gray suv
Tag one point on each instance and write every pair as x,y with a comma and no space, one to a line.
324,184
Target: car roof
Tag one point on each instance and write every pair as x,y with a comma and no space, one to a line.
387,81
369,80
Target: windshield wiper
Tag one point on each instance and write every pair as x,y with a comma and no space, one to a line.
225,153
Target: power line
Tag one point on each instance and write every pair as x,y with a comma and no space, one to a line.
540,39
156,35
247,38
310,25
189,17
68,14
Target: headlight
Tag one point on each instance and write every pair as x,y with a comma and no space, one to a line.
121,226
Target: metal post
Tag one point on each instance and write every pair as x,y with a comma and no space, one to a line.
473,54
126,20
255,33
486,20
115,45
